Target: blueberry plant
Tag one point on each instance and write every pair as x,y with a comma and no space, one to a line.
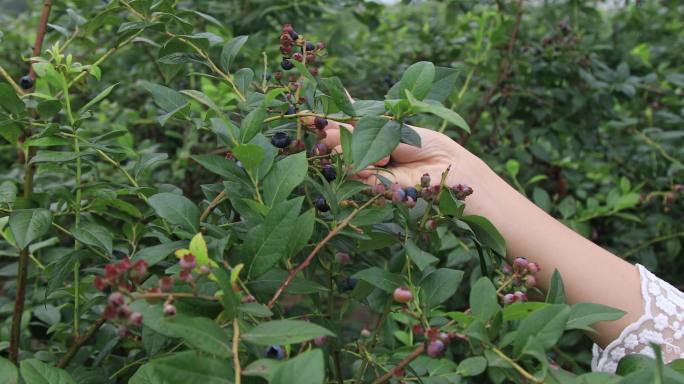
281,268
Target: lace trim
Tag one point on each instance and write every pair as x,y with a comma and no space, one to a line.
662,323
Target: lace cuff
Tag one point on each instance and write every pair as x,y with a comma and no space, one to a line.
662,323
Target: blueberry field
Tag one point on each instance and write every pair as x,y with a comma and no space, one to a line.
286,191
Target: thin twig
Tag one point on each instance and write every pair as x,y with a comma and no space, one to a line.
40,36
164,296
79,341
214,203
315,251
236,355
407,360
517,367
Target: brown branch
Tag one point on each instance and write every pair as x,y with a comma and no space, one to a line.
315,251
214,203
408,359
503,73
79,341
42,28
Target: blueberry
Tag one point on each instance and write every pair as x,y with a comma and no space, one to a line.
294,35
412,193
26,82
310,46
347,284
320,122
281,140
321,205
329,172
275,352
291,110
286,64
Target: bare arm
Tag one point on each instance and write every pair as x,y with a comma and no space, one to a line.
590,273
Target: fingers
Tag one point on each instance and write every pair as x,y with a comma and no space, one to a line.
332,130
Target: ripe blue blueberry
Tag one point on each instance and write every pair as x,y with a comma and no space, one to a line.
320,122
26,82
281,139
286,64
321,205
275,352
329,172
347,284
310,46
291,110
412,193
294,35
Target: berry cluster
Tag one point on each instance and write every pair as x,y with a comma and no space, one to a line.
293,46
410,195
516,280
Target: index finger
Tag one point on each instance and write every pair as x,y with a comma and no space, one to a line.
332,130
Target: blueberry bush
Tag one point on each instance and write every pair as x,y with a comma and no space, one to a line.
168,213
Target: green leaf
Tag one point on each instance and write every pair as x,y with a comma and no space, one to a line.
230,50
346,141
8,192
305,368
284,332
177,210
94,235
542,199
46,156
156,253
203,99
380,278
243,79
61,269
449,204
266,243
582,315
417,79
284,177
443,84
303,229
8,372
101,96
472,366
440,285
486,233
166,98
265,368
373,138
437,109
334,87
184,367
542,328
410,136
9,99
34,371
484,302
27,225
198,332
251,156
556,293
520,310
252,124
269,282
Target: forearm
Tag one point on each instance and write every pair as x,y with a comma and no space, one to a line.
590,273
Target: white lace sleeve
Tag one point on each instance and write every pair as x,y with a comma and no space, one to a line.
662,323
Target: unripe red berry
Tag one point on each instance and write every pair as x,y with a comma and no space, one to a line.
402,295
435,348
204,270
122,331
140,267
123,265
320,122
188,261
169,310
508,298
320,45
310,57
530,281
166,283
521,262
185,275
111,272
297,146
410,202
286,49
431,225
533,267
378,189
99,283
320,340
314,71
418,330
297,56
343,258
507,269
124,312
398,372
109,312
425,180
136,318
278,75
116,299
519,296
287,28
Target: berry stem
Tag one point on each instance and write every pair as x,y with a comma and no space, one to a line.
213,204
515,365
236,354
315,251
11,81
167,296
79,341
407,360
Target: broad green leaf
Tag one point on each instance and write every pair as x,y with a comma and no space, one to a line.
8,192
543,328
198,247
250,155
265,368
9,99
230,50
373,138
252,124
156,253
486,233
410,136
184,367
255,309
46,156
266,243
284,332
542,199
472,366
101,96
61,269
27,225
346,138
284,177
203,99
303,229
166,98
334,87
8,372
198,332
582,315
484,302
449,204
417,79
177,210
556,293
94,235
380,278
437,109
520,310
440,285
443,84
220,166
243,79
34,371
305,368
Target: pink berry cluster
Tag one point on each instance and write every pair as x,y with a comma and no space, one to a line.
517,279
436,342
425,190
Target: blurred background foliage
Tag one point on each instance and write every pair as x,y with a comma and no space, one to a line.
579,104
